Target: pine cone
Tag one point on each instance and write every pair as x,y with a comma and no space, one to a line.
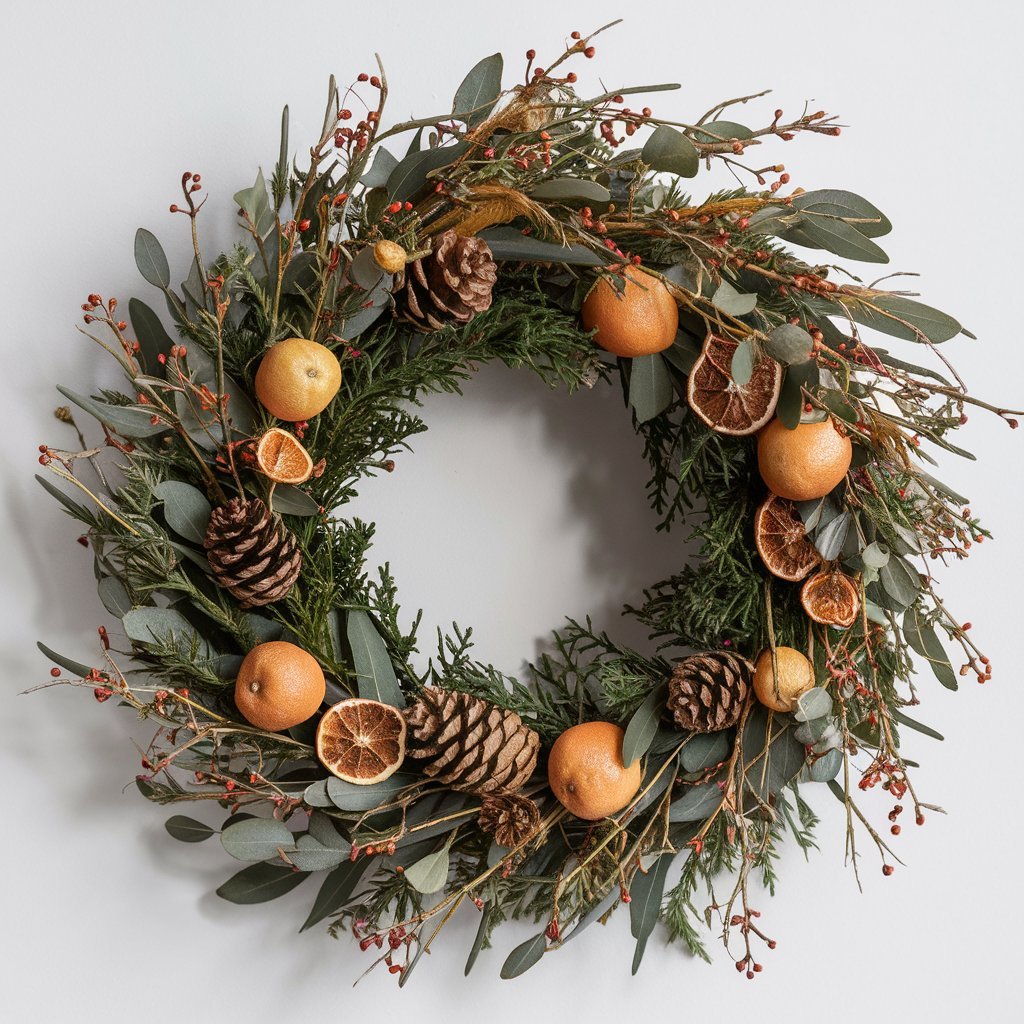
451,285
508,817
469,743
707,691
252,555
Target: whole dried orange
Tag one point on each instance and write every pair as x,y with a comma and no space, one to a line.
297,379
280,456
804,463
361,741
586,773
831,598
724,405
279,685
640,319
781,540
796,677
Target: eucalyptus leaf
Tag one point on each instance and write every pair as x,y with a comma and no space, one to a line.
696,803
77,510
722,131
826,767
524,956
335,891
412,172
912,723
791,400
669,150
646,893
815,703
290,500
256,838
900,581
875,555
925,641
151,259
347,796
154,341
650,387
582,189
842,239
76,668
857,211
481,935
114,596
124,419
705,750
642,726
310,855
742,366
900,317
255,201
508,243
259,883
188,830
829,539
384,162
429,874
789,344
186,508
733,302
372,663
479,91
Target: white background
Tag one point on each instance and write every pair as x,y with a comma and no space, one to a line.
518,507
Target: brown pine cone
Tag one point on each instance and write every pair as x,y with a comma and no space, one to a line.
251,554
469,743
508,817
450,285
706,692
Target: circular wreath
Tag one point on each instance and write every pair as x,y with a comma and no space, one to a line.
523,227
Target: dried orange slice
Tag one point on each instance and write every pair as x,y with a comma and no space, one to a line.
361,741
831,598
281,457
724,405
781,540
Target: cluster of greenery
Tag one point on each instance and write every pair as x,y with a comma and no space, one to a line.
544,176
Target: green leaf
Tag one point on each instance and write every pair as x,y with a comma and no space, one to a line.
908,320
411,173
153,340
834,202
582,189
733,302
925,641
335,891
256,203
114,596
696,803
256,838
829,539
669,150
479,91
188,830
791,400
773,220
650,387
429,874
875,555
508,243
315,794
321,828
705,750
347,796
842,239
789,344
259,883
826,767
481,934
290,500
900,581
310,855
524,956
742,365
815,703
643,725
152,625
722,131
186,508
151,260
372,663
123,419
645,903
384,162
76,668
77,510
281,173
913,723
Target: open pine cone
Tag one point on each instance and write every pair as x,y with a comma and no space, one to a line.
251,554
469,743
706,692
508,817
450,285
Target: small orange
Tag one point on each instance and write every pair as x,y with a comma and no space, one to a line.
639,320
796,677
280,456
586,773
297,379
804,463
279,685
361,740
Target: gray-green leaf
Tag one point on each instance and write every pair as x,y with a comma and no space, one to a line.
479,91
259,883
151,260
733,302
429,874
372,663
188,830
524,956
650,387
186,508
642,726
669,150
256,838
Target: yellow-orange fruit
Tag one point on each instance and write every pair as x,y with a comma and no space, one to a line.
279,685
297,379
796,677
586,773
804,463
638,321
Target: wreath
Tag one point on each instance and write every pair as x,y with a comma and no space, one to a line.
526,227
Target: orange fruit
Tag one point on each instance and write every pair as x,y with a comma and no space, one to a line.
831,598
297,379
278,685
361,741
724,405
804,463
781,540
586,773
281,457
796,677
639,320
